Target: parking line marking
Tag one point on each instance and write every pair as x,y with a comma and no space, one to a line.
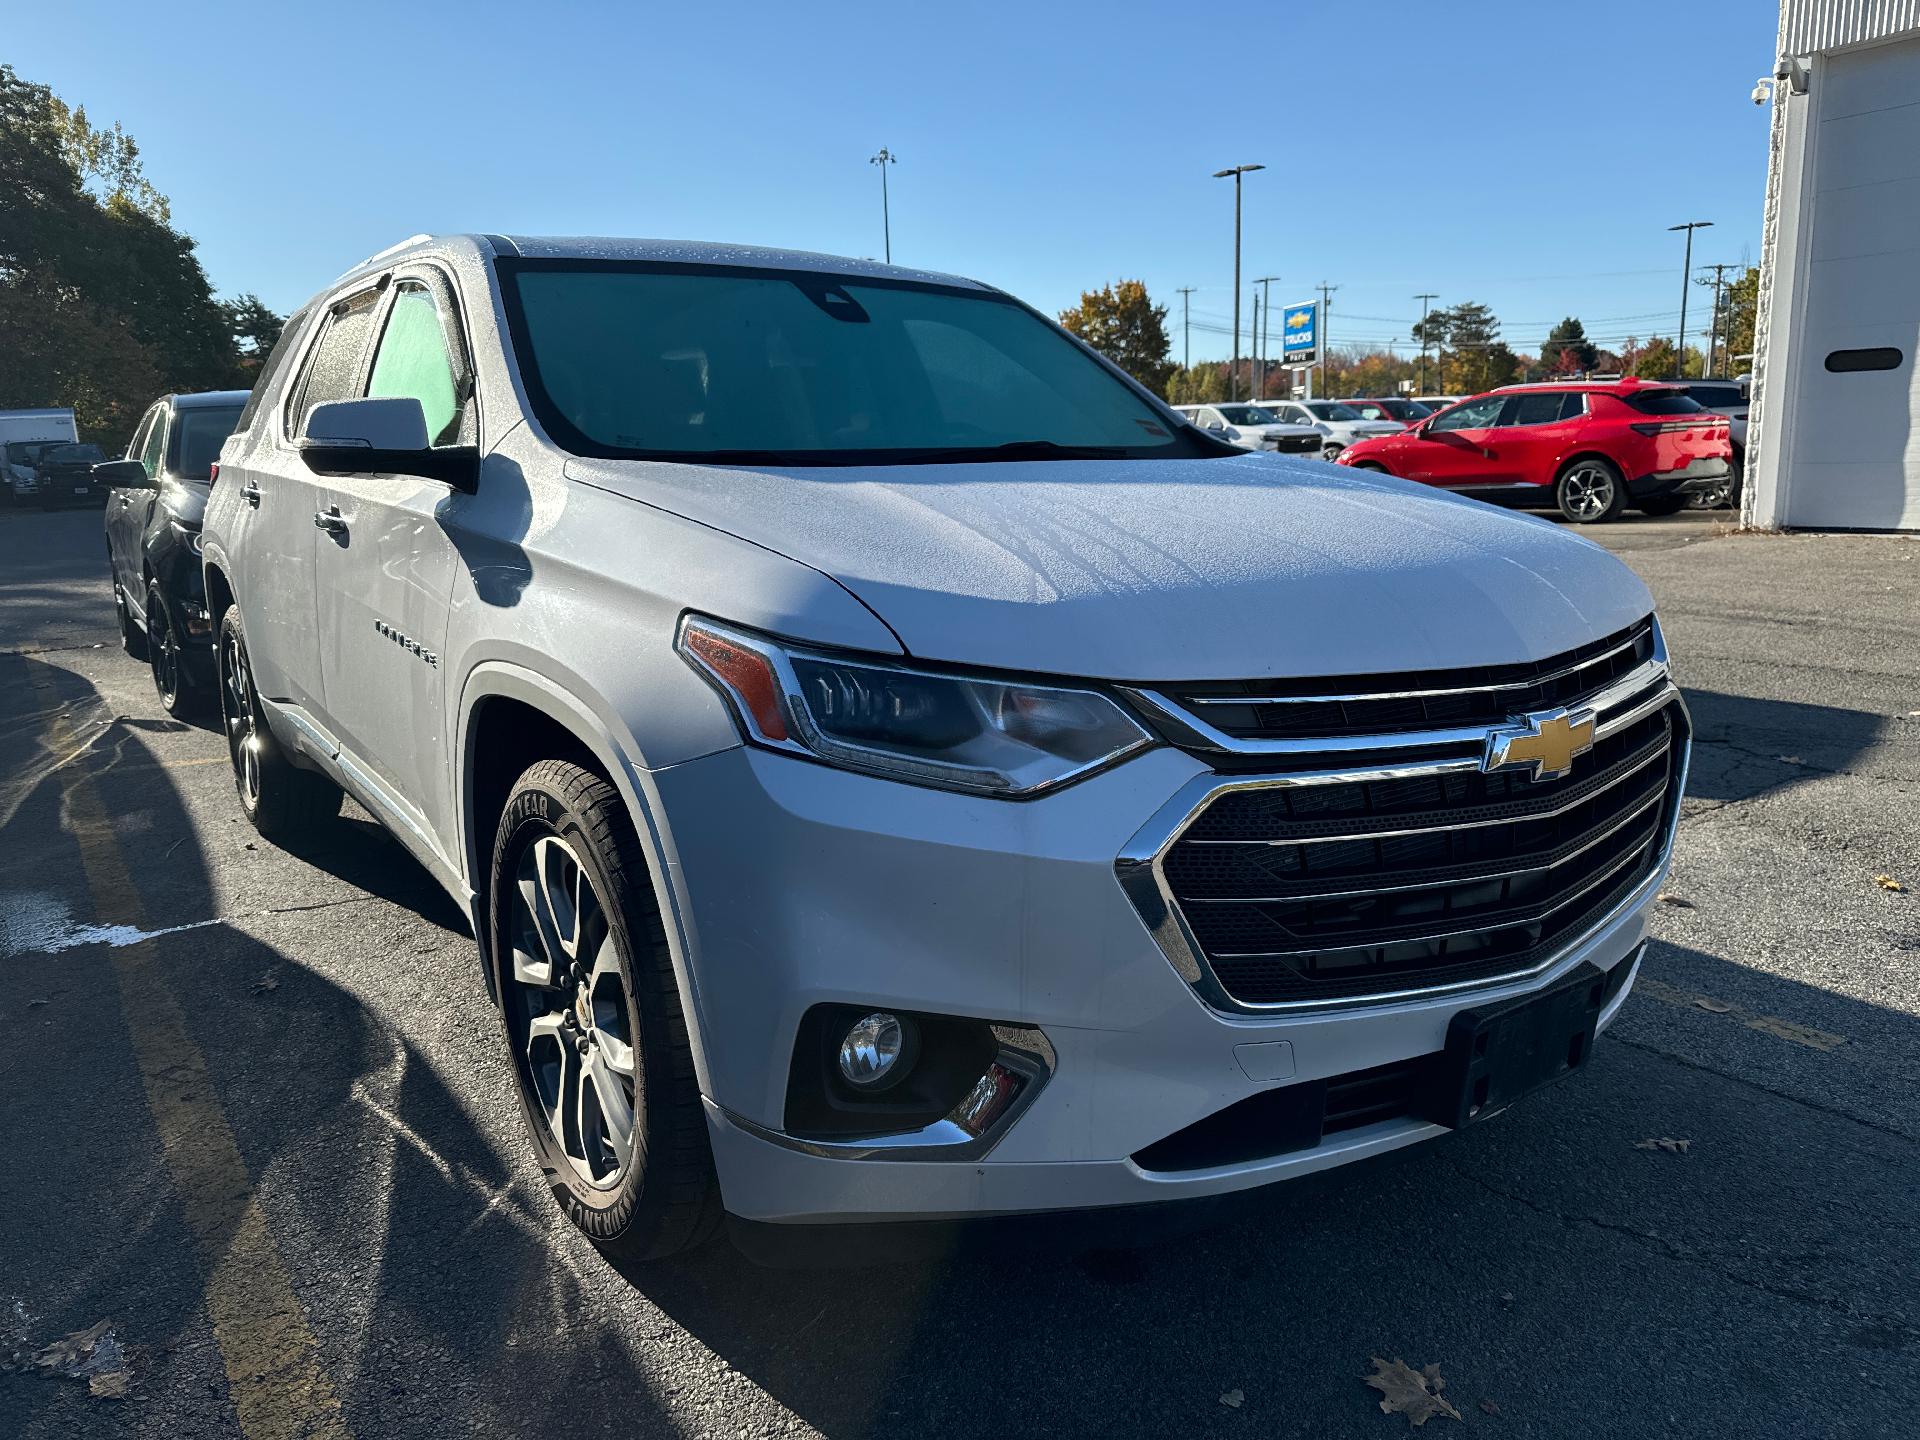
1793,1030
279,1389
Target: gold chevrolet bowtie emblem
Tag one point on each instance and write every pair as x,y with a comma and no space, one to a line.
1547,743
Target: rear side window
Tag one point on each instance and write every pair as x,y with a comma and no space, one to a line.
412,362
1546,408
333,371
1664,402
1718,397
276,359
198,433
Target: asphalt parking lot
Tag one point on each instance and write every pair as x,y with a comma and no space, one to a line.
258,1118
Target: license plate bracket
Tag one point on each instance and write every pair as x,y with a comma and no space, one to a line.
1497,1054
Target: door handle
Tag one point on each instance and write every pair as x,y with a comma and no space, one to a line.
330,520
251,494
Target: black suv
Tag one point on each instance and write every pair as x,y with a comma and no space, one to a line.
159,493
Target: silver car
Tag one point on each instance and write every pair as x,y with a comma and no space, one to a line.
895,768
1339,425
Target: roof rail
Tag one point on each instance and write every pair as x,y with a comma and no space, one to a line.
378,255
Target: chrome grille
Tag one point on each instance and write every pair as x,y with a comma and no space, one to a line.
1420,872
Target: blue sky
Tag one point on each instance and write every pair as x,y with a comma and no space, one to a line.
1527,155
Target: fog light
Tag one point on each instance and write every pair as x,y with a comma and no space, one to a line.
873,1055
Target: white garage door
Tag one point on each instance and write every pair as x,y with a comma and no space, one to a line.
1856,445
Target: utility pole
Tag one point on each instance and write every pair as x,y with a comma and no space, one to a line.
1237,171
1713,326
885,158
1326,350
1258,378
1424,300
1686,279
1265,338
1186,329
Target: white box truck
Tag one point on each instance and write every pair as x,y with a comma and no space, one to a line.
23,435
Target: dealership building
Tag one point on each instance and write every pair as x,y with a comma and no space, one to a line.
1835,435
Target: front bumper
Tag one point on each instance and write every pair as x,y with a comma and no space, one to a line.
796,885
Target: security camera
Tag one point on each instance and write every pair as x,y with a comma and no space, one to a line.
1762,91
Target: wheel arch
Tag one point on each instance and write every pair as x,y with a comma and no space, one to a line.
1587,452
512,716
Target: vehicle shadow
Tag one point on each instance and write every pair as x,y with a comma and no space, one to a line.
1746,746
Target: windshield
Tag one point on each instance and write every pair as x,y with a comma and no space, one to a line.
198,434
1327,410
748,366
87,454
1247,415
25,452
1403,409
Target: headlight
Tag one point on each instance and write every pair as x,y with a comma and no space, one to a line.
997,737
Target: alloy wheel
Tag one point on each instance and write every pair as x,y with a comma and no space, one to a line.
1589,492
569,1012
163,650
243,736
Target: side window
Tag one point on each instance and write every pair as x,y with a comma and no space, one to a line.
412,361
1210,420
137,446
333,370
154,450
1473,415
275,361
1540,409
1573,405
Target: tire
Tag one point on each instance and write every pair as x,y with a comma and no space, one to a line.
133,639
283,801
590,1009
1662,505
166,659
1331,453
1590,491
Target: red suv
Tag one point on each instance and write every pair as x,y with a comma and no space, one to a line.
1591,448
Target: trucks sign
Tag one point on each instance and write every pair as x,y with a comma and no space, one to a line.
1300,334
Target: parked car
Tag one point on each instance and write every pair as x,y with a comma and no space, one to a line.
1338,424
1254,427
63,474
895,768
24,433
157,495
1729,398
1589,448
1403,412
1437,403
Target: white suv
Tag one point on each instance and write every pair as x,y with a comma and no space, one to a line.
1341,425
1254,427
898,769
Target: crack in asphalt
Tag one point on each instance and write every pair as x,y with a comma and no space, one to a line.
1674,1251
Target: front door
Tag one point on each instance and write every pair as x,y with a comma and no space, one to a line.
1532,436
384,573
128,509
275,533
1451,449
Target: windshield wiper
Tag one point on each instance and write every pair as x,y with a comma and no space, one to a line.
1053,450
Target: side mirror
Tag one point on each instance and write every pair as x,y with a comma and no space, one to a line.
123,475
383,436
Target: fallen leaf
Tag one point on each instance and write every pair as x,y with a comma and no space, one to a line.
1790,760
1887,882
1679,902
70,1350
110,1384
1674,1147
1489,1407
94,1355
265,983
1233,1399
1409,1392
1711,1005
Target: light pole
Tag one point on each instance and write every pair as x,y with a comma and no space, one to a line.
1686,279
1264,325
1233,375
1424,301
1326,352
885,158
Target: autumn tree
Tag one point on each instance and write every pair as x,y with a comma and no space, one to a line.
1654,361
1122,323
1741,305
1567,350
104,304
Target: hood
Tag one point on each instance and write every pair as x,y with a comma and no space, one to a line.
1242,567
